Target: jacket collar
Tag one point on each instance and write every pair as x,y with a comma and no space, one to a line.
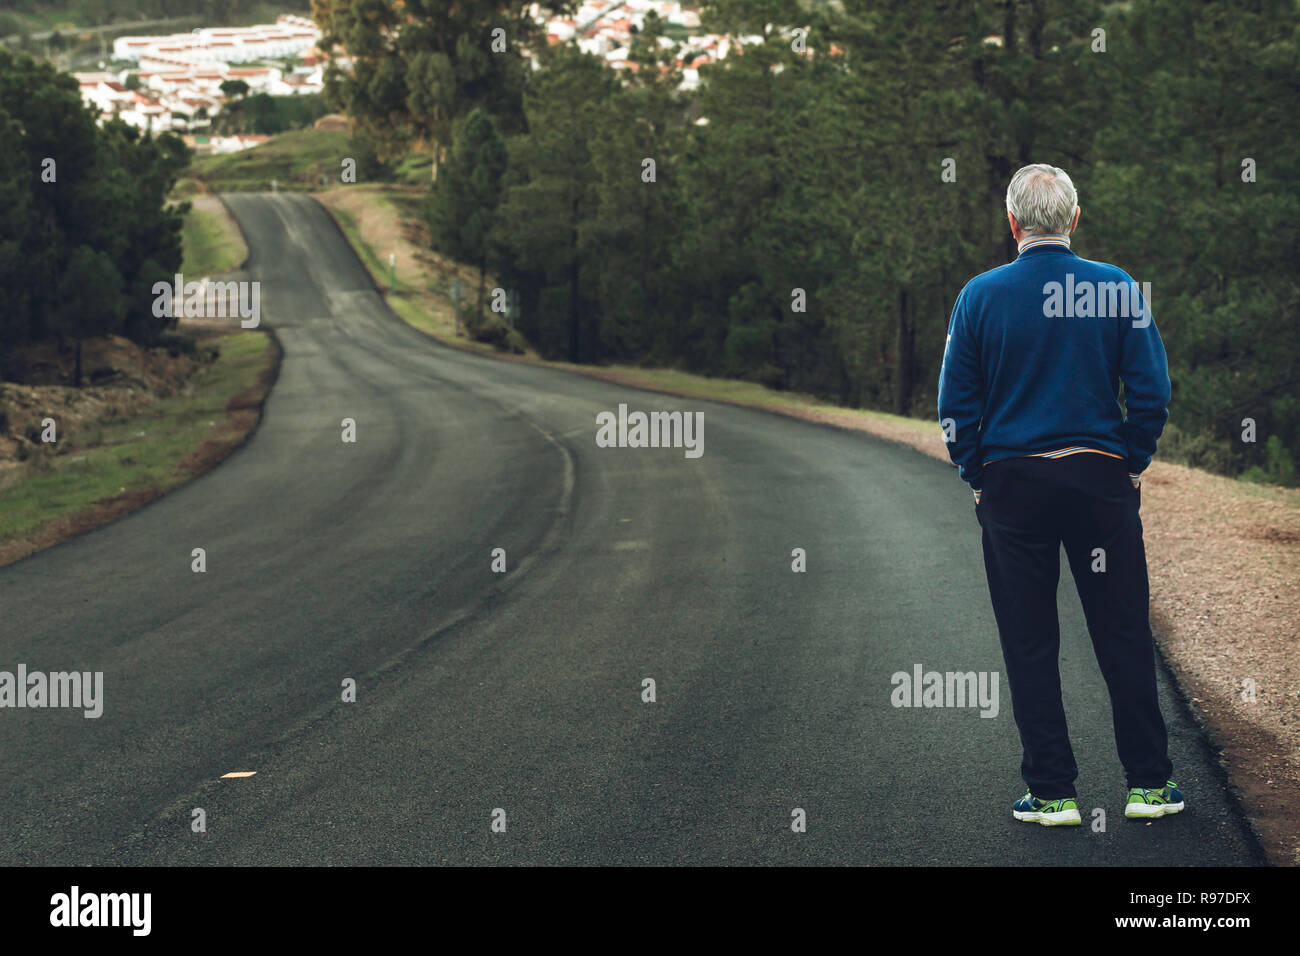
1044,241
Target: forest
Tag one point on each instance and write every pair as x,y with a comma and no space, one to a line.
806,216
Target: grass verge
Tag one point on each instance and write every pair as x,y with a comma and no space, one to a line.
296,160
113,467
211,240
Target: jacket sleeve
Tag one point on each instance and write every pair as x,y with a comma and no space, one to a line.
1144,370
961,395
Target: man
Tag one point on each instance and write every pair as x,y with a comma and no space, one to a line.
1028,398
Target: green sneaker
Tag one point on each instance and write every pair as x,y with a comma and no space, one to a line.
1146,804
1049,813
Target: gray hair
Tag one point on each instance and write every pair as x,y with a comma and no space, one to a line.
1042,199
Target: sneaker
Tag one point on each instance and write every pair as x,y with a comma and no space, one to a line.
1050,813
1149,804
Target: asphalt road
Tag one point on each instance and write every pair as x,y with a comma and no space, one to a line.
522,691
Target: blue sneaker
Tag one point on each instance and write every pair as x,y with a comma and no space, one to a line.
1144,804
1049,813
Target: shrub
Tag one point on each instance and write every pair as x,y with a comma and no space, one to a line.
488,327
1280,467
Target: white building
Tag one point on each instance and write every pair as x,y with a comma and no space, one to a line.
182,74
289,36
104,91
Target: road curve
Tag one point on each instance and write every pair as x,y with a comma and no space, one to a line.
522,691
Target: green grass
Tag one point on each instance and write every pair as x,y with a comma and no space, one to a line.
212,243
140,452
295,161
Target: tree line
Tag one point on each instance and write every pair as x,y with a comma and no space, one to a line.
85,225
806,216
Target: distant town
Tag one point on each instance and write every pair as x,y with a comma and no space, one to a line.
181,82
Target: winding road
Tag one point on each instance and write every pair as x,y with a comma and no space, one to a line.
522,691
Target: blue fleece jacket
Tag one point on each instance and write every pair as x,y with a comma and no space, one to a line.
1036,351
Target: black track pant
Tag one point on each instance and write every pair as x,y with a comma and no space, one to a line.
1029,507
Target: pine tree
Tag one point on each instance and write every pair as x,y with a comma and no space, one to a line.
548,196
463,207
